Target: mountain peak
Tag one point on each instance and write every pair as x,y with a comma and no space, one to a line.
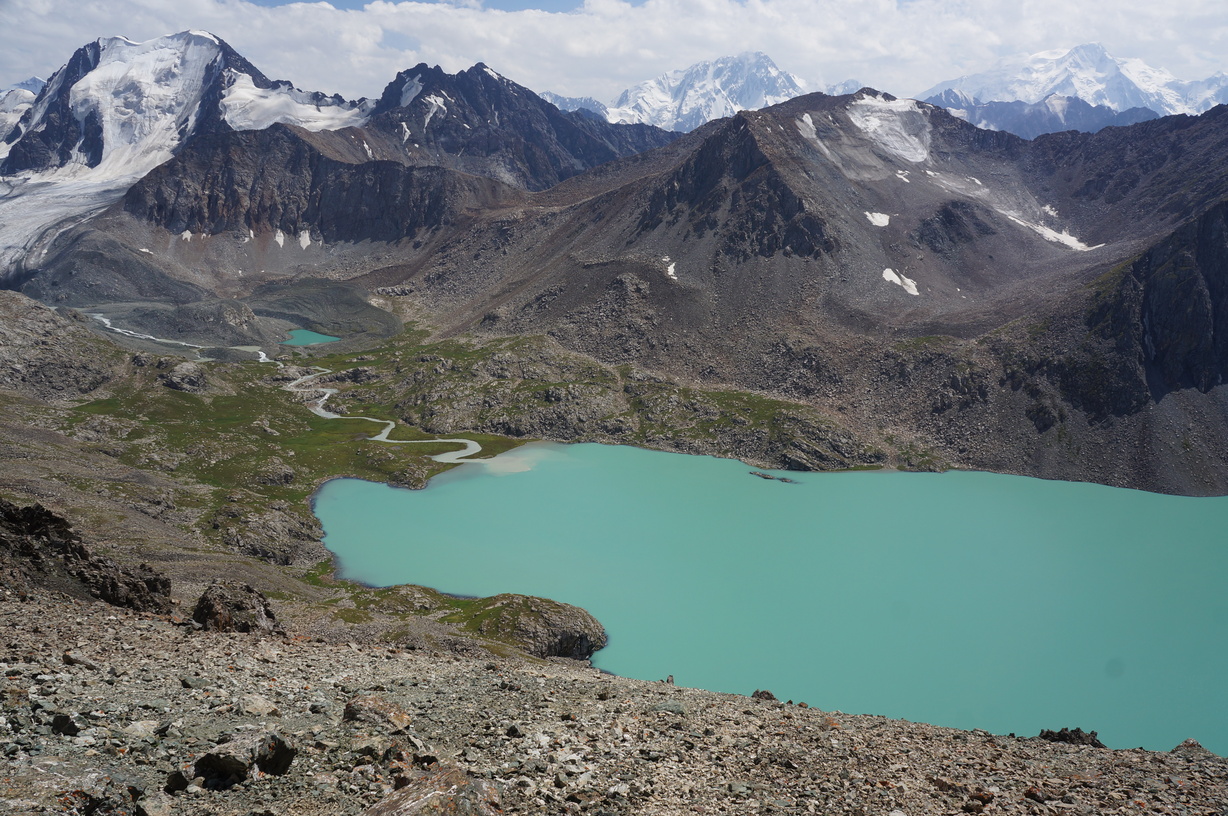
686,99
1090,73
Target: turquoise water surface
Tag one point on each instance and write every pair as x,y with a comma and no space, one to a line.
964,599
306,337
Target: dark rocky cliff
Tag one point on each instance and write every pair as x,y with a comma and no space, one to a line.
285,178
1168,310
54,143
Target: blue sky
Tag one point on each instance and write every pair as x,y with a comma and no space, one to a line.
599,47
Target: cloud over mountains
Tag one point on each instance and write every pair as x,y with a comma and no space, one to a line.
606,45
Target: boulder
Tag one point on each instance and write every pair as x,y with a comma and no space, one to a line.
1076,737
377,711
229,763
189,377
233,607
441,790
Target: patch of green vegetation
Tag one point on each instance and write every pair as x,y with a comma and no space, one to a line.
321,575
352,616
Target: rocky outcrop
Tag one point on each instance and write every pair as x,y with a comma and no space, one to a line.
1072,737
189,377
539,626
233,607
229,763
271,533
39,550
49,355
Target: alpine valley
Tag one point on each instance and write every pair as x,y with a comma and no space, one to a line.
829,282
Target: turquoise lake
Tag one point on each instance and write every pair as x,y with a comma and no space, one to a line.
306,337
963,599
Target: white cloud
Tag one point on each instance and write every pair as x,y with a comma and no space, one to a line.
607,45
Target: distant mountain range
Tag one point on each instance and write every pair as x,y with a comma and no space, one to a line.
945,294
1084,89
1052,114
685,99
1090,73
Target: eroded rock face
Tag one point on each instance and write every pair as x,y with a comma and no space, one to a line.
234,607
1076,736
39,549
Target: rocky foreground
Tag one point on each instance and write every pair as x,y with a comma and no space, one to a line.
109,711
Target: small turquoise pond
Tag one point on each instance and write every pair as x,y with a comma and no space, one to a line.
305,337
972,600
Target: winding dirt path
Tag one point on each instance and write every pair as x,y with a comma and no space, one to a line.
318,407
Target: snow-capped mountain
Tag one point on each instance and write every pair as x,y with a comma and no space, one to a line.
1088,72
117,110
684,100
576,103
123,107
848,86
1050,115
33,85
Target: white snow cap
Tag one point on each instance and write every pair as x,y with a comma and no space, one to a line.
684,100
1090,73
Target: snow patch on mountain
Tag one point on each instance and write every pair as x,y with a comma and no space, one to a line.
436,105
878,219
908,284
410,90
684,100
1049,234
898,126
247,107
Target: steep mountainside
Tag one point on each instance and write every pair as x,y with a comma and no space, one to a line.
117,110
484,124
128,106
